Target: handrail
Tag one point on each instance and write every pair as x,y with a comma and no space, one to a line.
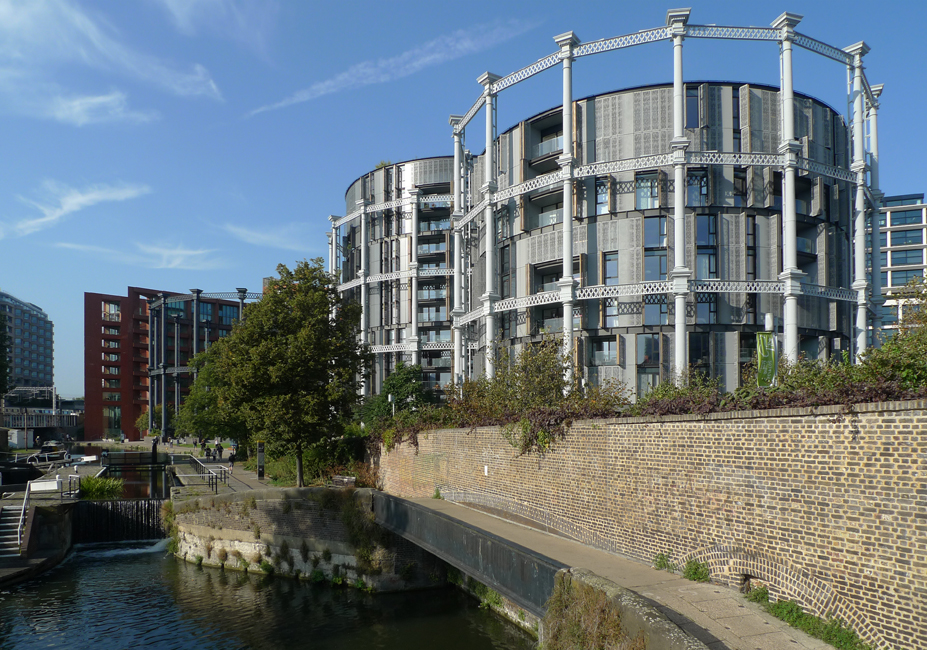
213,478
22,519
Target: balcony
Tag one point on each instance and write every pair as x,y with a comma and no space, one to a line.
432,249
112,318
432,294
550,217
442,362
434,226
548,147
548,286
805,245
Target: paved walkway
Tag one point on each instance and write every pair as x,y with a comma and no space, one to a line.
718,616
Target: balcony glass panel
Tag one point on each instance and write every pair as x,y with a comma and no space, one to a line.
549,146
805,245
550,217
427,249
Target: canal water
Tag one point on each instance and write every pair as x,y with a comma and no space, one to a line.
126,597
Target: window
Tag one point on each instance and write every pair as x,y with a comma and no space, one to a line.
699,353
706,264
901,278
655,312
227,314
692,107
655,232
432,313
706,237
604,352
740,180
906,217
110,370
654,266
706,308
112,419
111,330
174,308
610,269
205,311
111,397
907,237
110,356
648,362
111,383
889,314
601,196
883,239
611,312
697,188
111,311
647,191
902,258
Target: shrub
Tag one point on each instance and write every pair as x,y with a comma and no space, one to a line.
101,487
663,562
267,567
695,571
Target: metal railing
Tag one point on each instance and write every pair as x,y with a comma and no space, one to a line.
213,475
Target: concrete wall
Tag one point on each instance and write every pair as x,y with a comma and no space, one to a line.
829,508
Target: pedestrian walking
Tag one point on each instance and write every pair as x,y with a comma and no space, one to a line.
219,450
231,460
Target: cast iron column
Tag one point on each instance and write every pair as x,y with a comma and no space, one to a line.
677,19
567,285
487,79
860,285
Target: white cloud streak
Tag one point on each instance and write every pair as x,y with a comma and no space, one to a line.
42,41
63,200
157,256
291,237
435,52
243,21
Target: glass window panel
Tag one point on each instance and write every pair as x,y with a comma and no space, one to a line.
906,217
655,232
901,258
648,350
907,237
901,278
611,268
654,265
647,191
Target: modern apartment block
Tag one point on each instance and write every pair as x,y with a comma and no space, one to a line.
655,227
903,240
32,342
119,338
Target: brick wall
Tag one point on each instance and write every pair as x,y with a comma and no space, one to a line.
828,508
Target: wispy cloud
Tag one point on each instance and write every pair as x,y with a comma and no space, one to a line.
166,256
435,52
291,237
41,43
244,21
112,107
60,200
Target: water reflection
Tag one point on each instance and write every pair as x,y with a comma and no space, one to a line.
105,598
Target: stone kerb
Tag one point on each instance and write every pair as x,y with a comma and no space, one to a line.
828,507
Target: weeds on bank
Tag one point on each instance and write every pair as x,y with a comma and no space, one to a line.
830,629
579,616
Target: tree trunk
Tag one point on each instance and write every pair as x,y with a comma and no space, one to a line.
299,466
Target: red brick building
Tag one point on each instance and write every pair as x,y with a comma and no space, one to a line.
118,349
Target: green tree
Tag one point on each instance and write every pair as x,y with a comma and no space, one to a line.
4,357
292,368
408,391
203,414
142,422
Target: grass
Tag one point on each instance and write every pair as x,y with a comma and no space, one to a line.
579,616
99,487
663,562
831,630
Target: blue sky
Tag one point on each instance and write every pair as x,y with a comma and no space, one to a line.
180,144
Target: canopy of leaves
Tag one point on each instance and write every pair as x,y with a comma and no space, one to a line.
142,422
408,391
204,413
291,369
